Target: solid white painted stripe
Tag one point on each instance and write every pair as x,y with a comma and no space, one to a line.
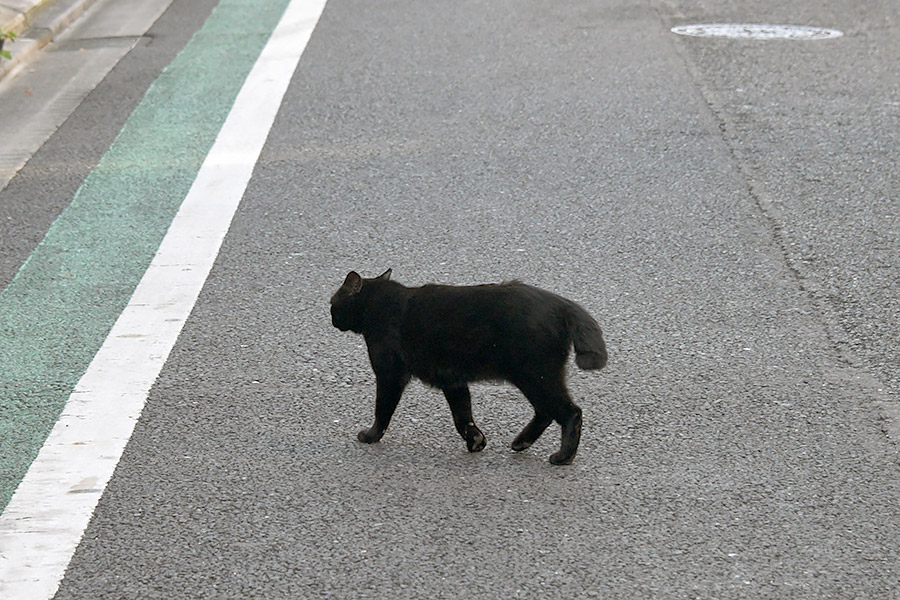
47,516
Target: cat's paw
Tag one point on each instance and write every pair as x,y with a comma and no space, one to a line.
475,440
369,436
520,444
562,458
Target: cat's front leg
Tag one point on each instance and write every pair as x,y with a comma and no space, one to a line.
461,406
389,387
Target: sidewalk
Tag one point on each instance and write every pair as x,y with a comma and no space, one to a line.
36,23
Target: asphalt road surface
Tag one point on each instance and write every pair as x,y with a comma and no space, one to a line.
727,210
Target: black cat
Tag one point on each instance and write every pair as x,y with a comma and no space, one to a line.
448,336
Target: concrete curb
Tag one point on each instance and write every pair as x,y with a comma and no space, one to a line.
36,26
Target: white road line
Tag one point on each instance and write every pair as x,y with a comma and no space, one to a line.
46,517
757,31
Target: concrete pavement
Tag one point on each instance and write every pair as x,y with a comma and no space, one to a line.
36,23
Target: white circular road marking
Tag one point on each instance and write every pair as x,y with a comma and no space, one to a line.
751,31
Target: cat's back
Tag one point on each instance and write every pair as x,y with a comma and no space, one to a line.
498,303
455,298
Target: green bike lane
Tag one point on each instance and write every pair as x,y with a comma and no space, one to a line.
59,308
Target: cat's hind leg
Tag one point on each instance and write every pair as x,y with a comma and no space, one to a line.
551,401
460,402
571,435
532,431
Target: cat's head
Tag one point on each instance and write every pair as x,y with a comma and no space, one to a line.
347,302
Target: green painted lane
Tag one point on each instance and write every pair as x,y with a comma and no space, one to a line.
57,311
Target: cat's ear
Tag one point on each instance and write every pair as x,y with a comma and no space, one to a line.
386,275
353,283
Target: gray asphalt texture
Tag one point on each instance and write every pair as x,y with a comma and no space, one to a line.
719,206
816,131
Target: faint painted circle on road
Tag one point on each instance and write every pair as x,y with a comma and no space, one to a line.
752,31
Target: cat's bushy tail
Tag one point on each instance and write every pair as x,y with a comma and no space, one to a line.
590,349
